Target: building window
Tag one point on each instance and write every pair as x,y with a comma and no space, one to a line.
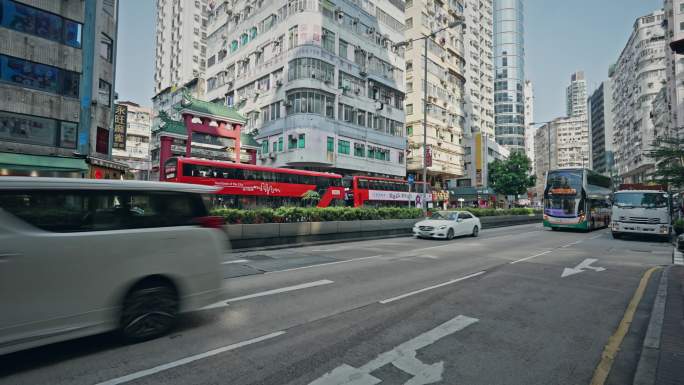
344,48
102,141
409,109
310,68
291,142
310,102
36,130
293,37
343,147
280,144
409,130
106,48
345,113
681,26
34,21
301,142
233,46
681,7
328,42
359,150
331,144
409,22
39,76
361,118
211,61
275,146
104,93
264,146
401,158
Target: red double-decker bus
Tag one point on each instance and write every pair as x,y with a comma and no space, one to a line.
378,192
250,186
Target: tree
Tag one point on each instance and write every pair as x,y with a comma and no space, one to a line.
669,156
511,176
311,197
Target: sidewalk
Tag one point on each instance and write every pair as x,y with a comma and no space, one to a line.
662,356
671,359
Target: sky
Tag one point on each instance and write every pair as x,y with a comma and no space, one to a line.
561,37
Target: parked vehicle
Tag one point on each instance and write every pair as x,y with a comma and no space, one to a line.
80,257
642,209
384,192
447,225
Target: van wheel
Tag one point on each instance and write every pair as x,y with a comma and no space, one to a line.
149,311
476,231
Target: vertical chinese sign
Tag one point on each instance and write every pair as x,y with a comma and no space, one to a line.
120,123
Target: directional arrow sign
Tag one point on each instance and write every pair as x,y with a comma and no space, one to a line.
584,266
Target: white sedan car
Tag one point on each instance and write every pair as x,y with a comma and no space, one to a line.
447,225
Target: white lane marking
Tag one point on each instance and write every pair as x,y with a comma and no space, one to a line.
186,360
571,244
530,257
388,300
596,236
323,264
235,261
403,357
586,264
269,292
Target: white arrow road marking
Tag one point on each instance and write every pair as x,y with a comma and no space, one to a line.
403,357
586,264
269,292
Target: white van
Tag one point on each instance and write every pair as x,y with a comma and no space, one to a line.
80,257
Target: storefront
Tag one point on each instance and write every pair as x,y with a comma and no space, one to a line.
44,166
482,197
105,169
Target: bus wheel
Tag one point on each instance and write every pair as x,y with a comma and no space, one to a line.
554,228
616,235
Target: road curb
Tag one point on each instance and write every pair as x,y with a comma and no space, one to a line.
648,360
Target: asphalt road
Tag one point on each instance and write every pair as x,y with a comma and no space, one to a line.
488,310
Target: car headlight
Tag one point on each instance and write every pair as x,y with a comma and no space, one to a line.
442,227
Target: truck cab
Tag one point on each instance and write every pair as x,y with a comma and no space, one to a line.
641,209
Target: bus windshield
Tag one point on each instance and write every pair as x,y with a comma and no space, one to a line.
561,206
640,199
561,182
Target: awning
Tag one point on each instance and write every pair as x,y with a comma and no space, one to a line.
41,163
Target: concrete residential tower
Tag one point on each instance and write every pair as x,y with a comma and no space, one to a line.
529,119
479,58
318,82
601,128
576,95
180,42
509,63
639,75
445,84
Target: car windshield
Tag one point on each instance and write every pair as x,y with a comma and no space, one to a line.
641,200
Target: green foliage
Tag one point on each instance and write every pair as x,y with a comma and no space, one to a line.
511,176
679,226
669,156
315,214
311,197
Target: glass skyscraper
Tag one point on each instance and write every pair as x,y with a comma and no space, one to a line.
509,77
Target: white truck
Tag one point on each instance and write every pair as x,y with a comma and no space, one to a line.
641,209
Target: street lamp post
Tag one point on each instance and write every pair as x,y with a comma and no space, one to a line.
459,21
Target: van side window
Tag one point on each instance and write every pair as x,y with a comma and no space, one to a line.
79,211
66,211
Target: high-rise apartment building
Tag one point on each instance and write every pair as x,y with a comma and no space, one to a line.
180,42
561,143
134,150
576,95
530,130
640,73
674,53
509,63
445,90
320,82
601,128
57,72
479,59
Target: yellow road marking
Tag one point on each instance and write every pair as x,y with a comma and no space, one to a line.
614,342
